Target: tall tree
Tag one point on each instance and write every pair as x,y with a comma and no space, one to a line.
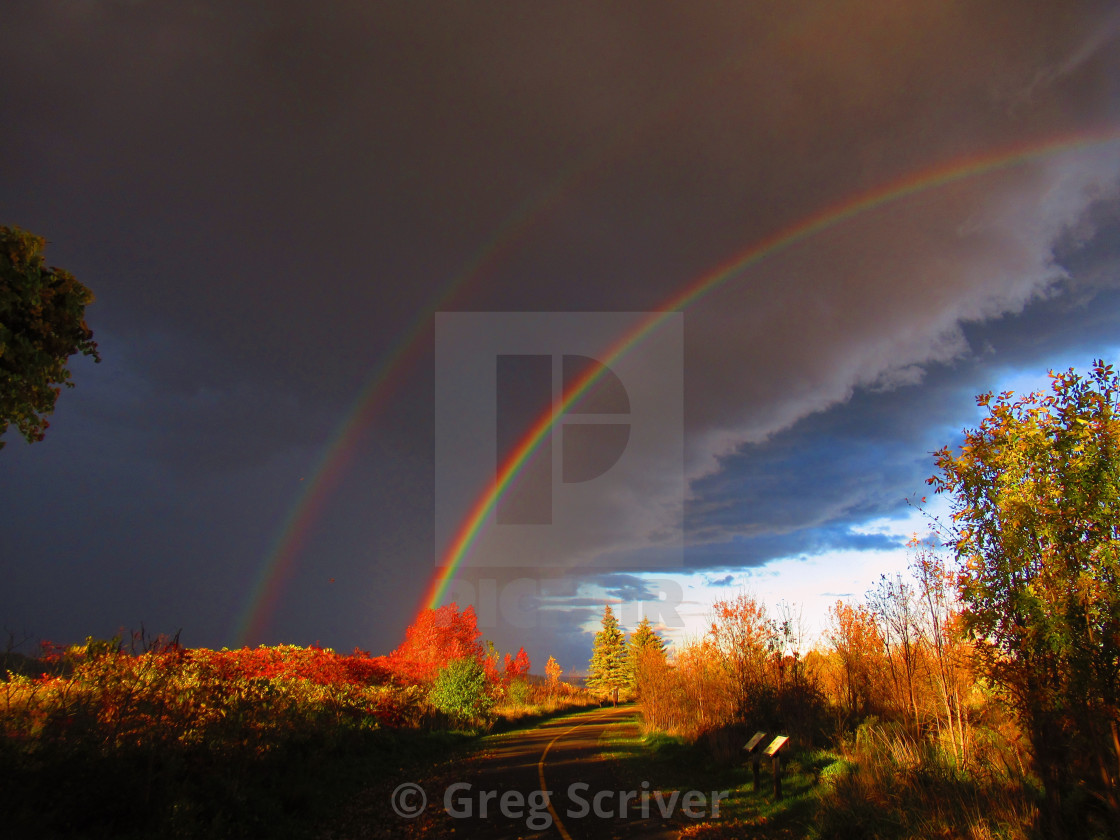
1035,496
42,324
745,640
608,671
895,604
856,642
645,644
940,632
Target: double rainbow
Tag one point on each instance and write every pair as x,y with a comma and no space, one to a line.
278,568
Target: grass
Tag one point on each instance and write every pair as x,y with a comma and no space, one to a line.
881,785
671,763
509,717
288,793
897,787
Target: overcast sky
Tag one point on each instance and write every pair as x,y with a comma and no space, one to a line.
271,199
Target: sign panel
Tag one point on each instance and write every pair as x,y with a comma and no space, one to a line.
753,742
776,744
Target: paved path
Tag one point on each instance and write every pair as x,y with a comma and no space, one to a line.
495,794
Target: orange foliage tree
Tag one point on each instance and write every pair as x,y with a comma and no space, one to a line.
747,670
857,645
552,670
516,666
746,641
434,639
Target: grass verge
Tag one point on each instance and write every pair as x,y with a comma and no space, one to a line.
670,764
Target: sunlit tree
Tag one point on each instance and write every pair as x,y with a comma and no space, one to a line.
608,671
747,642
894,602
857,645
1035,497
462,690
552,672
516,666
645,647
435,638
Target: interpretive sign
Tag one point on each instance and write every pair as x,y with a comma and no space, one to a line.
776,745
753,743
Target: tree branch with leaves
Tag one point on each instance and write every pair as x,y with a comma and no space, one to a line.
42,324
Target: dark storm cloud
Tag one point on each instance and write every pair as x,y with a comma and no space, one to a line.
626,587
754,552
265,196
802,489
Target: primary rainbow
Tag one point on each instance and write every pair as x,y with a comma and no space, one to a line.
957,170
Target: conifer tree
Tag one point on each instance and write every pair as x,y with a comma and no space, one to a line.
609,661
644,641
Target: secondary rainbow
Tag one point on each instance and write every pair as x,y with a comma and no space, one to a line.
328,472
279,563
938,176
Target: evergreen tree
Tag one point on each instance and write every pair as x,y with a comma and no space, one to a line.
609,661
644,641
645,637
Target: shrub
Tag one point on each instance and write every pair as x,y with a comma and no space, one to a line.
520,692
462,691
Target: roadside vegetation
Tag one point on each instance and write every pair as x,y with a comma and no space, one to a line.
977,696
152,739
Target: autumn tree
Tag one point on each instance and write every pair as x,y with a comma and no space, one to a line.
744,638
1035,498
800,700
608,671
894,602
516,666
857,644
552,672
42,324
702,694
434,639
939,631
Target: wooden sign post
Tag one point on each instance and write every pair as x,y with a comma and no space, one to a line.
772,751
755,753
